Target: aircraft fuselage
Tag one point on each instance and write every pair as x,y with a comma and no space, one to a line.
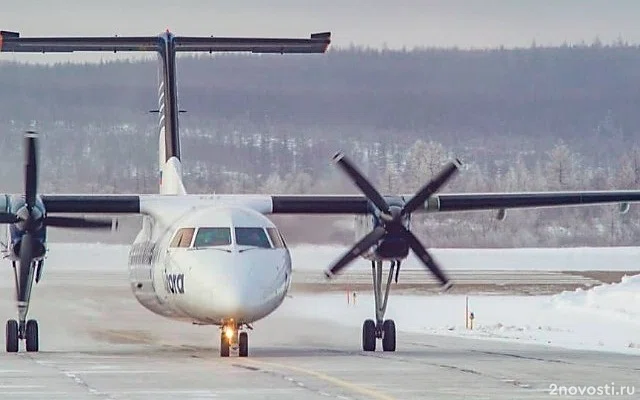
208,284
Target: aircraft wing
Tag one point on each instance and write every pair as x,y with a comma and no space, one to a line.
450,202
336,204
102,204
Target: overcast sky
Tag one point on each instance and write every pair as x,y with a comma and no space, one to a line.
396,23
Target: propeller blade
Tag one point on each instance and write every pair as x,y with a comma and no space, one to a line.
364,244
26,257
77,222
8,218
426,258
363,184
31,168
433,186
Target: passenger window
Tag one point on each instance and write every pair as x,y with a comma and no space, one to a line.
252,237
212,237
182,238
276,238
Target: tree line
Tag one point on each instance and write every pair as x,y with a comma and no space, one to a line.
525,119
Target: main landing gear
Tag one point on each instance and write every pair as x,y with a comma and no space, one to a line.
232,338
381,328
23,329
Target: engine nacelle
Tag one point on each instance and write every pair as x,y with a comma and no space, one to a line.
392,247
501,215
624,208
16,205
39,248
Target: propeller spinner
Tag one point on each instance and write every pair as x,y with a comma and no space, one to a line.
391,217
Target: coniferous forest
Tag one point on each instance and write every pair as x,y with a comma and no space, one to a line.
534,119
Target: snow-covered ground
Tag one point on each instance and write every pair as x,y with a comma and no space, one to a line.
311,257
603,318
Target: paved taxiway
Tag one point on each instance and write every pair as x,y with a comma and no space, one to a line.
98,343
464,281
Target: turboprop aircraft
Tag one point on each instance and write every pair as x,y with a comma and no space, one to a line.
216,259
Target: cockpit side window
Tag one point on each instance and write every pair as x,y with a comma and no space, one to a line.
276,238
252,237
182,238
212,237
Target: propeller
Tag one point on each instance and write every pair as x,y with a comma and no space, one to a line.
392,217
31,218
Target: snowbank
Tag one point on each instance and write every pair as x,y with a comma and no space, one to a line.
604,318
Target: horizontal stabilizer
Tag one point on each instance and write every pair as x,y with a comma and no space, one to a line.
16,44
12,42
318,43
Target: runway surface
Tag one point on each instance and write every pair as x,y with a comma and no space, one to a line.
530,282
97,342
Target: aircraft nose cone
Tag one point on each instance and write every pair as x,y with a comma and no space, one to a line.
235,296
243,286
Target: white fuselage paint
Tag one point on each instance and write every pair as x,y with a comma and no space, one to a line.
212,285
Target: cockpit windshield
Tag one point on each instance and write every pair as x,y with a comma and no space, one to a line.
266,238
276,238
207,237
252,237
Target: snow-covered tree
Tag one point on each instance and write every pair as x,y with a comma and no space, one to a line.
424,160
562,167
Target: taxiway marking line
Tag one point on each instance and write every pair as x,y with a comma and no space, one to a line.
327,378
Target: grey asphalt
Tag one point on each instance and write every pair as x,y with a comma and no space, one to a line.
97,342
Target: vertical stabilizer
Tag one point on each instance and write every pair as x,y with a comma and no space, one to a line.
170,166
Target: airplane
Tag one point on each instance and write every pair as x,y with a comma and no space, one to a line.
217,259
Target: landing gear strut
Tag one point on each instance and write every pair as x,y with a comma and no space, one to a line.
381,328
231,337
22,329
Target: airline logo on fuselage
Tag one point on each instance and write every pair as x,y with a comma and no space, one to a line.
174,283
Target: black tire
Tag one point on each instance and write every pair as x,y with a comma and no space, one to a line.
224,345
12,336
31,335
389,335
243,344
369,335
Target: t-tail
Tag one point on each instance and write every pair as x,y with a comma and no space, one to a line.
165,45
170,166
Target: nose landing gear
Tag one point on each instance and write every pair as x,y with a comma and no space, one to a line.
231,337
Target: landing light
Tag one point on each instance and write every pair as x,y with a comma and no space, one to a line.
228,332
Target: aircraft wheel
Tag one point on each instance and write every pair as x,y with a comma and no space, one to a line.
243,344
32,335
12,336
224,345
369,335
389,335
